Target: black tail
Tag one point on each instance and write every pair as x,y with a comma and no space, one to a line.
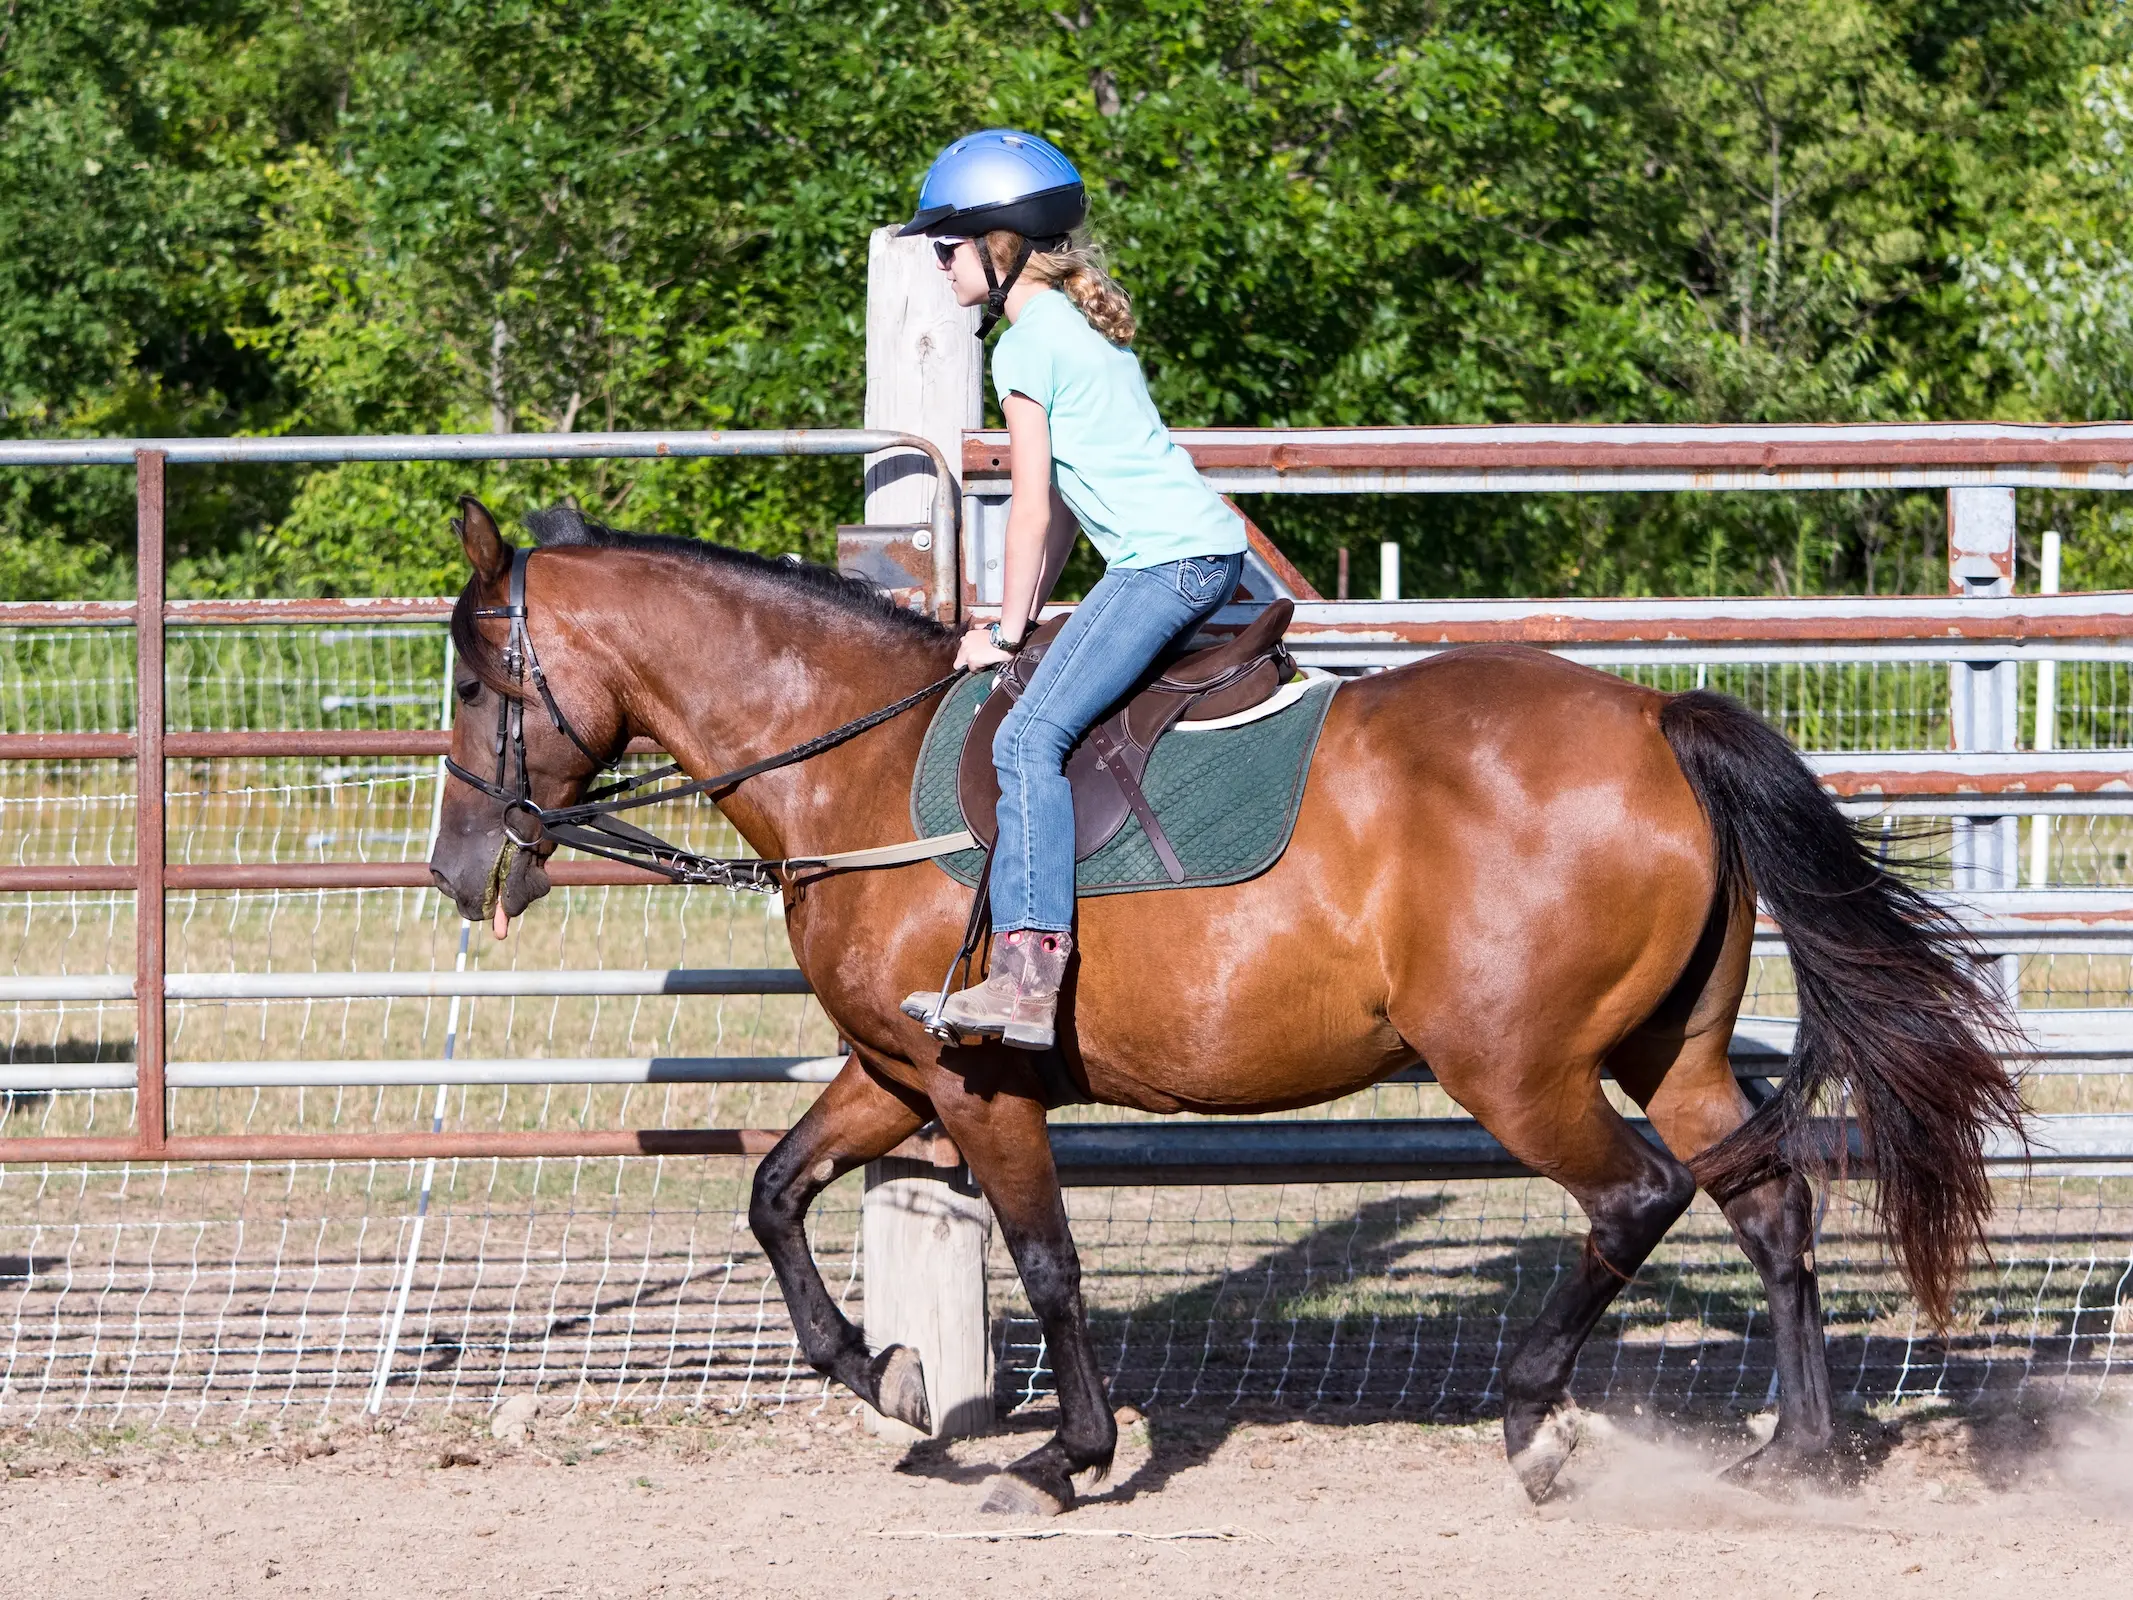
1897,1017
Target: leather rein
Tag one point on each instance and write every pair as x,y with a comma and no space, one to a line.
591,824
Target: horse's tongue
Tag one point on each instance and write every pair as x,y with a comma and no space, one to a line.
501,927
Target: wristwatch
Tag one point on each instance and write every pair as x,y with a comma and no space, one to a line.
1010,646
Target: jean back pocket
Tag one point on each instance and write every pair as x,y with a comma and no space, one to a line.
1208,580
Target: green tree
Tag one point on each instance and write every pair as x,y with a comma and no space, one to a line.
324,216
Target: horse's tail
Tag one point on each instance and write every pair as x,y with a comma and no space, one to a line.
1897,1016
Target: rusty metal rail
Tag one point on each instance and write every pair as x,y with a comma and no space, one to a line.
1629,456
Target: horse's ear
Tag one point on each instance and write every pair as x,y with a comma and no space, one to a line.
486,551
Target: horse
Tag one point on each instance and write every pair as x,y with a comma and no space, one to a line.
1521,872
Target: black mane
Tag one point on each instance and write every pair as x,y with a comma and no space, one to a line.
567,525
563,525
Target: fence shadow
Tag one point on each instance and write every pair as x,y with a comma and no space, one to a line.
62,1052
1402,1310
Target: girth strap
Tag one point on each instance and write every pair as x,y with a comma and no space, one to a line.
1111,753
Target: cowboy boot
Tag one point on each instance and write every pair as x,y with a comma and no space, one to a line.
981,1009
1019,997
1036,1004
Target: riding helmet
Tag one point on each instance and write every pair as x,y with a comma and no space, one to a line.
999,178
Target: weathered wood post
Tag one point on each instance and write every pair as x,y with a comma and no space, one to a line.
925,375
924,1230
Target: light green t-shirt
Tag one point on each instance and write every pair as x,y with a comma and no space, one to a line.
1139,497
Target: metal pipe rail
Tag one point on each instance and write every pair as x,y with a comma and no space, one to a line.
684,444
1678,632
2055,1043
544,983
1619,457
1265,1150
1930,624
50,1077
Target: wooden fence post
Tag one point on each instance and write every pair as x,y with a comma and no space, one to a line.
922,1239
922,1243
925,375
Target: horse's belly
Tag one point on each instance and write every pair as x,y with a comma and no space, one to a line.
1167,1033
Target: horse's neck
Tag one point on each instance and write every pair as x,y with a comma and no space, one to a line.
744,675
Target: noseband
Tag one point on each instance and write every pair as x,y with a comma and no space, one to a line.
591,824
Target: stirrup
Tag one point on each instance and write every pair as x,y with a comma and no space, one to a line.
973,931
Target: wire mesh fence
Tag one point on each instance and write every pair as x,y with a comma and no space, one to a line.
173,1292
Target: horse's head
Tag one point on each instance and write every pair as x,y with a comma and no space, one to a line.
490,854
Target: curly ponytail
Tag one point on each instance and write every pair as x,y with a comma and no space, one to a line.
1078,273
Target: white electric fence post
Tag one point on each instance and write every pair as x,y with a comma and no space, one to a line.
390,1345
1983,703
923,1241
2047,735
1388,571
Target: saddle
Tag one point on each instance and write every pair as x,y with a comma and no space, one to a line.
1105,768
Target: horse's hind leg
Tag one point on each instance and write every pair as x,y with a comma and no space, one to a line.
1687,1087
1632,1194
855,1120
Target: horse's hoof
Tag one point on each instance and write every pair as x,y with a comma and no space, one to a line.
1780,1468
1016,1496
1543,1456
900,1387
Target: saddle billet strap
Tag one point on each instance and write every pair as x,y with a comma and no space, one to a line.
1111,750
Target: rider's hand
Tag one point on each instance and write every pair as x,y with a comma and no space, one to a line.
977,651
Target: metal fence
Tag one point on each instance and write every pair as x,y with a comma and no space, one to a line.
1363,1255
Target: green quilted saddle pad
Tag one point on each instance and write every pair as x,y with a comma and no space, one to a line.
1227,798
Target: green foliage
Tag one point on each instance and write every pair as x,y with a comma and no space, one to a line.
324,216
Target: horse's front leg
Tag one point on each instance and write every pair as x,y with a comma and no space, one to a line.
1002,1137
854,1121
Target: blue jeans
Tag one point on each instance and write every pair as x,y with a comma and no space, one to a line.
1130,621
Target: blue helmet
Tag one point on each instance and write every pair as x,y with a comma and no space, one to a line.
999,179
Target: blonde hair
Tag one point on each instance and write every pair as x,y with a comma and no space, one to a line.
1078,273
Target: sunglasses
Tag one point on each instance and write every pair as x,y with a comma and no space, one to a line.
944,250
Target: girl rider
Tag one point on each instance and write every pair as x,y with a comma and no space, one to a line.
1084,445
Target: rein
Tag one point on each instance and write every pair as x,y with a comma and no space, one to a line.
591,824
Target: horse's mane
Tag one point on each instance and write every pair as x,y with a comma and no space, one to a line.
564,525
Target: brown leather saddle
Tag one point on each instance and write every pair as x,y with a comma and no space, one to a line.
1105,768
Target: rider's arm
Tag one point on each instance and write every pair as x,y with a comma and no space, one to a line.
1040,532
1058,545
1029,563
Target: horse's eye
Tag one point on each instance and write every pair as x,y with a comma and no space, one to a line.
469,688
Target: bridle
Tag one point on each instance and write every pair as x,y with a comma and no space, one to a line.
520,660
591,824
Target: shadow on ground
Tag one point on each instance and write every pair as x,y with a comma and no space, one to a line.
1401,1310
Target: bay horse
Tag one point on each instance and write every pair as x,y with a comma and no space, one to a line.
1523,872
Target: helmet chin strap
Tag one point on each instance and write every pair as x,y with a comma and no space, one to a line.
996,288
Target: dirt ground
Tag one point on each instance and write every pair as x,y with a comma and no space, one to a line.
792,1506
